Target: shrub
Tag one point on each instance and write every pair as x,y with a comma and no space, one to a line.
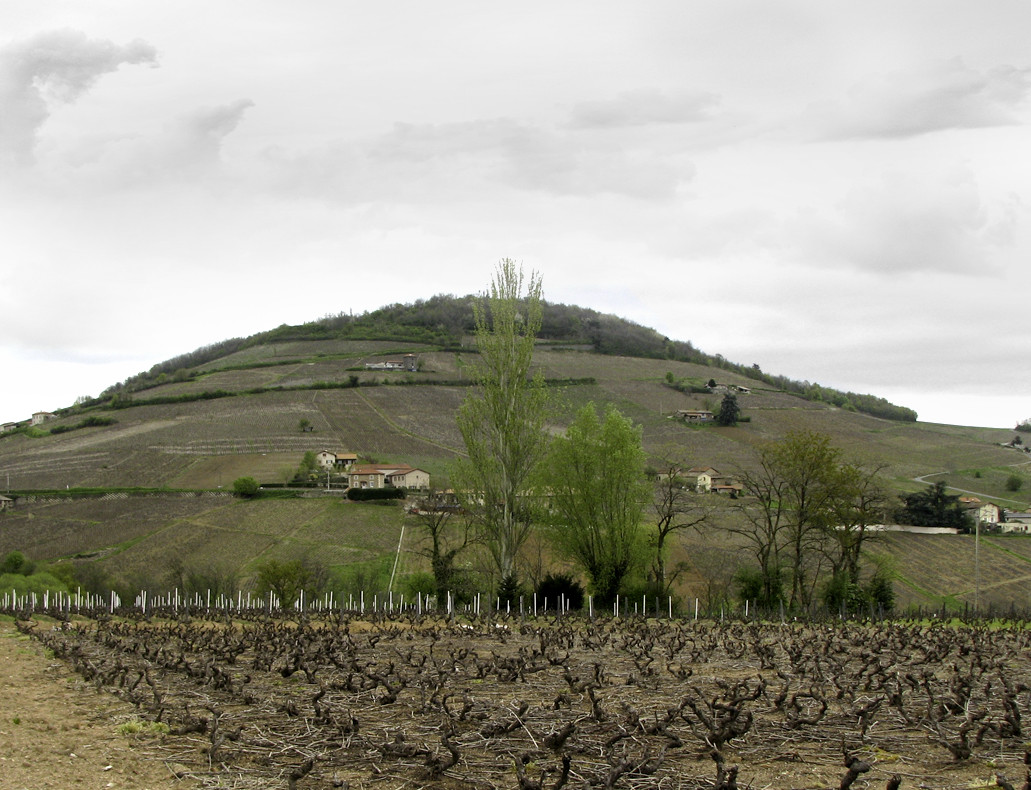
509,590
371,494
558,586
246,487
1014,483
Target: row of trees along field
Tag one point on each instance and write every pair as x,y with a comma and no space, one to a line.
805,516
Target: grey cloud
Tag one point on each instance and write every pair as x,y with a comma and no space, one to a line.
948,95
201,134
641,108
428,160
187,148
52,67
905,225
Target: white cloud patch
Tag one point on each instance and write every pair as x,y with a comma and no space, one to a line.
643,107
947,95
54,67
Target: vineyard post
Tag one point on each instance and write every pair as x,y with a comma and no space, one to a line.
615,607
671,607
535,604
590,607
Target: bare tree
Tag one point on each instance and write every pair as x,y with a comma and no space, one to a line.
675,508
442,543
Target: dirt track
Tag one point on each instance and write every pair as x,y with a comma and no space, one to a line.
57,732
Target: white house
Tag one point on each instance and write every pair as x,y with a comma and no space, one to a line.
330,461
701,478
981,512
41,417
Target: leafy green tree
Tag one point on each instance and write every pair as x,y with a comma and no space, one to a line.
286,580
309,468
246,487
598,497
859,502
1014,483
808,466
729,410
15,562
502,419
791,494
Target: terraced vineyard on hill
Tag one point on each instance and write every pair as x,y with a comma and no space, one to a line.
241,415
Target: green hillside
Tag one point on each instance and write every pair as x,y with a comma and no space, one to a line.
189,427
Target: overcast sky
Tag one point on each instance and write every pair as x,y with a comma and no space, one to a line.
838,192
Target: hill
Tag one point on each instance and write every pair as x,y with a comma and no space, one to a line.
159,450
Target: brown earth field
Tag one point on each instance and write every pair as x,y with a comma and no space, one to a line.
535,704
58,732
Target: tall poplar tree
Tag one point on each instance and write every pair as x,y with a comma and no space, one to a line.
502,418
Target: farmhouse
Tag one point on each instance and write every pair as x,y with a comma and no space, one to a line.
8,426
407,363
694,415
41,417
981,512
6,502
384,476
701,478
1016,521
330,461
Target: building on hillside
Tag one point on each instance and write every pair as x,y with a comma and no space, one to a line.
345,461
727,486
409,362
6,502
1016,521
335,462
387,476
694,415
8,426
41,417
985,513
700,477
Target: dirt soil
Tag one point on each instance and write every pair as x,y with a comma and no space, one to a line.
58,732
